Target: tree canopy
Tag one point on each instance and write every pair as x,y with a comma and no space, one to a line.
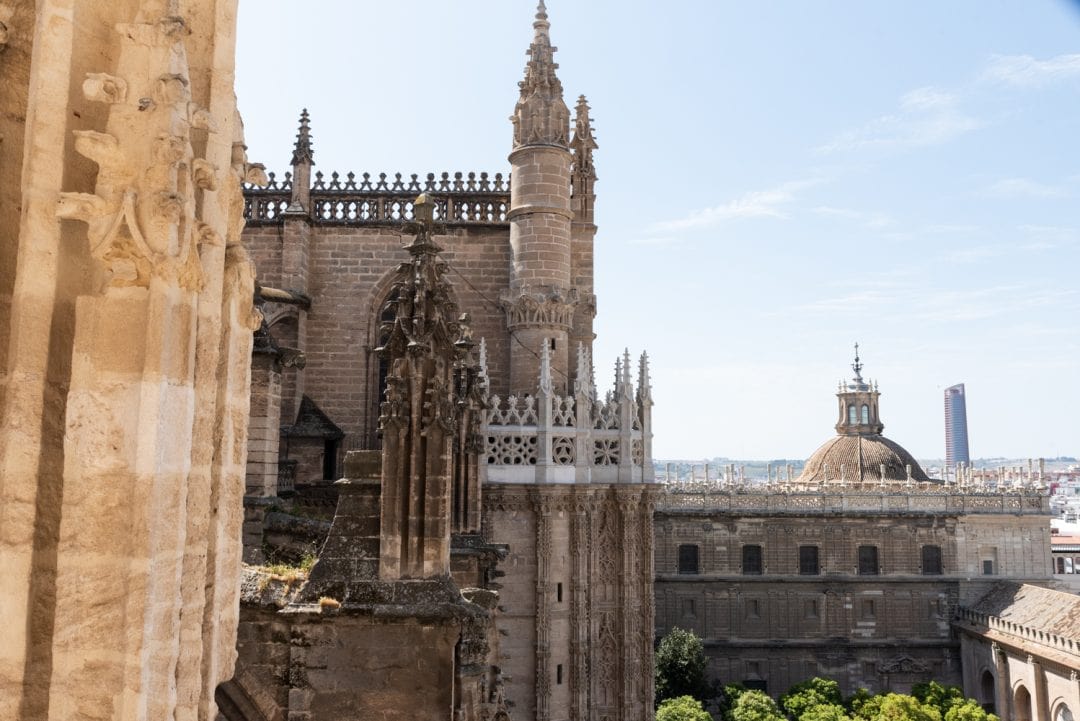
680,666
682,708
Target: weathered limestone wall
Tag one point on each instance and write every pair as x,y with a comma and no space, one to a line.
127,349
576,601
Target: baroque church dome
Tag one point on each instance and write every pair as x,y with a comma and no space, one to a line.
859,453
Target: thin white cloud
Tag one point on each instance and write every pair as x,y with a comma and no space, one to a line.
927,116
1025,188
870,220
1026,71
656,240
755,204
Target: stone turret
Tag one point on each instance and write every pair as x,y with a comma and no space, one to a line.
583,228
541,299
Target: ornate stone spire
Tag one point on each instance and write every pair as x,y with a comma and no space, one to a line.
430,413
302,150
644,381
302,160
583,143
541,115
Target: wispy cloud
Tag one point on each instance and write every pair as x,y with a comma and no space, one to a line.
1026,71
867,219
755,204
926,116
915,304
1025,188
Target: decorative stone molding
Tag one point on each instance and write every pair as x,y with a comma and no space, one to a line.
546,307
142,218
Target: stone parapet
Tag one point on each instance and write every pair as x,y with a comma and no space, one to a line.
460,199
921,498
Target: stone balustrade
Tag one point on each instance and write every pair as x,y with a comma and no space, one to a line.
460,199
891,499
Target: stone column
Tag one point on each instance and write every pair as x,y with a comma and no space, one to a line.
1002,687
1039,698
124,430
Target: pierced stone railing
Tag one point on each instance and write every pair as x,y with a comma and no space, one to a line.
560,439
891,498
1027,633
460,199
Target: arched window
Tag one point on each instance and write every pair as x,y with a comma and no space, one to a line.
1062,713
852,415
865,414
1022,704
987,695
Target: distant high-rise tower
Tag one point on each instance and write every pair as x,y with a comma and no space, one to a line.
956,435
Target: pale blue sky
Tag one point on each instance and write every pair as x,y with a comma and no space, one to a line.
776,181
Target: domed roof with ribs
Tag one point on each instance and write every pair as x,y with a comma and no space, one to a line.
859,459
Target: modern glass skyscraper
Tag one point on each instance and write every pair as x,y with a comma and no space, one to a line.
956,434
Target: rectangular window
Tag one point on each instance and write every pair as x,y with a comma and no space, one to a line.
753,608
808,561
751,560
688,559
558,593
558,674
988,567
868,561
810,608
867,610
931,560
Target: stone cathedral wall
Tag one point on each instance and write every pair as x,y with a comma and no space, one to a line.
125,345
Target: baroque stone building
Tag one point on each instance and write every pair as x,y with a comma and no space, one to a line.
852,571
566,474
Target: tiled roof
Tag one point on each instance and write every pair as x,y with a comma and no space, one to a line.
1039,608
861,457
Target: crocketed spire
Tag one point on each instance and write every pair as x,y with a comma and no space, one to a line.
302,151
583,143
541,115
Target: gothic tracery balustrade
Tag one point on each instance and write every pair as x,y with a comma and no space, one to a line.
461,198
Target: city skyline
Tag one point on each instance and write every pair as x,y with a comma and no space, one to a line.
775,183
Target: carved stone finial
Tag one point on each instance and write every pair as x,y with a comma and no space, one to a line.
302,151
583,143
583,382
482,375
545,367
541,115
857,366
644,381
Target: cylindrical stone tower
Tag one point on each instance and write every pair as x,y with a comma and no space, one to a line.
541,300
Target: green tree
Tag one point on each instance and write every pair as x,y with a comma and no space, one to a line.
755,706
807,694
940,697
901,707
968,710
682,708
680,666
825,712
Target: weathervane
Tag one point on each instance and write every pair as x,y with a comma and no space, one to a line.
857,366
